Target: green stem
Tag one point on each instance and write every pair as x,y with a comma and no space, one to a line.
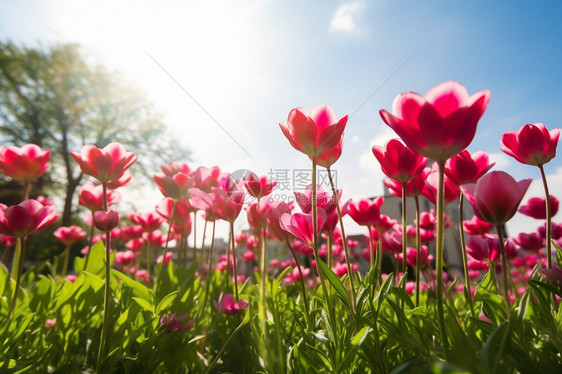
303,286
505,265
468,293
202,257
548,219
216,358
263,269
107,290
210,272
26,188
194,238
148,254
439,255
66,261
418,245
17,267
234,260
404,241
371,249
344,239
170,222
315,233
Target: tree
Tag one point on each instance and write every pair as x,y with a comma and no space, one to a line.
56,98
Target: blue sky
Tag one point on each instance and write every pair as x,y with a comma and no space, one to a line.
248,63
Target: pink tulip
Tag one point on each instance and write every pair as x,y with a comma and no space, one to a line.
483,249
172,323
414,187
440,124
256,217
530,242
428,220
50,323
104,164
205,178
124,258
316,132
173,168
324,200
228,305
258,187
533,144
425,257
475,226
29,216
182,210
149,221
175,186
169,256
300,225
451,191
464,168
496,196
554,275
365,212
155,238
398,161
91,196
106,220
556,231
23,164
69,235
121,182
536,207
272,215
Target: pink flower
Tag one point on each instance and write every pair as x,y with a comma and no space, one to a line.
295,275
554,275
228,305
414,187
124,258
149,221
91,196
172,323
104,164
258,187
174,186
425,257
483,249
143,274
23,164
272,215
451,190
169,256
70,278
496,196
316,132
536,207
106,220
440,124
428,220
249,255
365,212
300,225
475,226
120,182
70,235
533,144
324,200
464,168
398,161
173,168
530,242
27,217
50,323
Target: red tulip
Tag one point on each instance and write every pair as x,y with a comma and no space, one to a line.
273,213
228,305
25,163
258,187
106,220
530,242
323,199
155,238
316,132
124,258
428,220
255,216
536,207
300,225
149,221
105,164
365,212
425,257
414,187
175,186
27,217
451,191
464,168
398,161
483,249
533,144
91,196
556,231
69,235
173,168
496,196
440,124
475,226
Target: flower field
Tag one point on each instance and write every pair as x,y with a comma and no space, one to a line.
147,296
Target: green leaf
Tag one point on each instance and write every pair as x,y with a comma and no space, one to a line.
139,289
166,301
495,346
335,282
144,304
96,262
359,338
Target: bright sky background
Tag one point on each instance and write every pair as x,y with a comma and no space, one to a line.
248,63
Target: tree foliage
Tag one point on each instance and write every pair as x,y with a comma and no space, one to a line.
57,98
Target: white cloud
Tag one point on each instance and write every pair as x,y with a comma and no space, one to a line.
501,159
345,18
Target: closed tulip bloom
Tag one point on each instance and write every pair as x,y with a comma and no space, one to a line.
124,258
182,210
315,132
428,220
439,124
23,164
398,161
536,207
29,216
464,168
496,196
533,144
106,220
258,187
365,212
300,225
425,257
228,305
69,235
175,186
106,164
414,187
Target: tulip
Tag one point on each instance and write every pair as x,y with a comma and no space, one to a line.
106,220
496,196
228,305
172,323
149,221
175,186
124,258
23,164
25,218
120,182
398,161
536,207
258,187
476,226
316,132
414,187
300,225
173,168
323,199
91,196
365,212
68,236
424,259
440,124
451,190
483,249
464,168
205,178
105,164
